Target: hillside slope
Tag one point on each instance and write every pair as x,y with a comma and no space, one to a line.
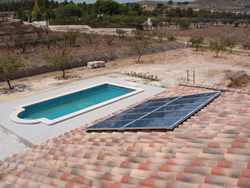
234,5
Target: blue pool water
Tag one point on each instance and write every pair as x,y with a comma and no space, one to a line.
67,104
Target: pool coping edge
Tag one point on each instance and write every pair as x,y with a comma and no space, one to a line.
14,116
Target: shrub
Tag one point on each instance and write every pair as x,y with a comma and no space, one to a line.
171,38
230,44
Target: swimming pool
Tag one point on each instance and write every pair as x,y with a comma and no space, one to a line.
68,105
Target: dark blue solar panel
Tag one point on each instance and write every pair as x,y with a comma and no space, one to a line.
162,99
151,104
125,116
198,95
179,107
152,123
165,115
141,110
157,113
109,124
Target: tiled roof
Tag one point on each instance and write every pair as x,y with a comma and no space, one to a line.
209,150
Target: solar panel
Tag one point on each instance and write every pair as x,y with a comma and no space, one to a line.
164,113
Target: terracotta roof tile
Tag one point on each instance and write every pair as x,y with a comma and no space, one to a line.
221,180
141,174
208,150
232,164
190,178
180,184
243,182
164,175
154,183
204,185
121,171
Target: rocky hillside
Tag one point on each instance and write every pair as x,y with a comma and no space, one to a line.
232,5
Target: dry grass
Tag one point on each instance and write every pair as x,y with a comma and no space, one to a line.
170,67
239,34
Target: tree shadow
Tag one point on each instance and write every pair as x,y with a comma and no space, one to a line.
220,57
67,77
17,89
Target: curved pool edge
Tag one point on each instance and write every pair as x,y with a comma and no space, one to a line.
14,116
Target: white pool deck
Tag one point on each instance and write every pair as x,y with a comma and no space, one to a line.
16,136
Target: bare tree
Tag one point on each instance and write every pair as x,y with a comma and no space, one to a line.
91,36
109,39
140,47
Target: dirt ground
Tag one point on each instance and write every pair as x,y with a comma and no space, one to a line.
221,33
170,67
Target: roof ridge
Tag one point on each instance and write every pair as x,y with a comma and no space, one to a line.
224,89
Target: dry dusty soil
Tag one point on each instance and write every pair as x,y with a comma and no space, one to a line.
170,67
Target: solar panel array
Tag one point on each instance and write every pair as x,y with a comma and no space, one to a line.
163,113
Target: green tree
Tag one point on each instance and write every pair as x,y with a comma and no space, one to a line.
170,2
48,41
107,7
19,29
161,34
21,14
196,42
138,34
216,46
230,44
37,13
71,36
61,60
189,12
39,31
9,66
21,42
140,47
69,10
159,5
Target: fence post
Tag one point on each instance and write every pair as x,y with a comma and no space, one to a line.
194,77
